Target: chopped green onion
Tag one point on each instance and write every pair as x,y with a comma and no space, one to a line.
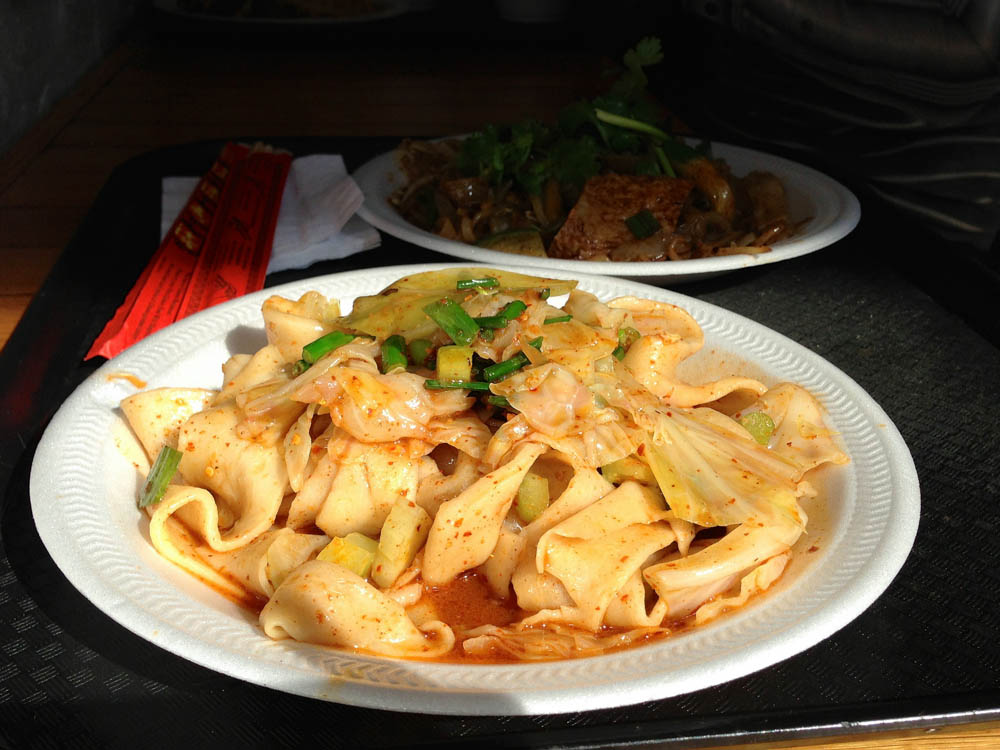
642,224
558,319
163,470
498,401
486,334
469,385
502,369
300,367
661,157
455,321
619,353
545,293
759,425
628,336
489,282
630,124
510,312
537,343
324,345
420,351
394,353
492,322
513,310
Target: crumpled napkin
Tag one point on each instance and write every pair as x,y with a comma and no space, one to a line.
316,220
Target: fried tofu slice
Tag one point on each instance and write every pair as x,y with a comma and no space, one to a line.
596,225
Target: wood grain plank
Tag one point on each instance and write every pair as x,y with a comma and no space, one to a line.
39,226
24,269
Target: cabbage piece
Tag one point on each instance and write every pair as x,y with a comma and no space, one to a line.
242,373
290,325
713,477
800,434
399,307
653,360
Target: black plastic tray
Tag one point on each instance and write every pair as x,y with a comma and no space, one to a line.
925,653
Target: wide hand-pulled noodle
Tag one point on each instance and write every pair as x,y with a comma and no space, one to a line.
590,499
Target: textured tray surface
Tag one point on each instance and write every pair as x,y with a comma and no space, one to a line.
925,651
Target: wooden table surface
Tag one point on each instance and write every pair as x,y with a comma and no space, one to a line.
145,95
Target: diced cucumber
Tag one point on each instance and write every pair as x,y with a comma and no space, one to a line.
454,363
532,497
356,552
629,467
759,425
403,534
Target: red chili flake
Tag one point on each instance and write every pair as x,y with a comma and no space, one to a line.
814,548
467,533
458,522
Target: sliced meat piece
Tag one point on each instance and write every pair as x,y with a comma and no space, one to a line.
596,224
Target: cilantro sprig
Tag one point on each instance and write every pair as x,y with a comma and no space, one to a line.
623,120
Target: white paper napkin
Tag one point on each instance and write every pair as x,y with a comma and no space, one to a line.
316,220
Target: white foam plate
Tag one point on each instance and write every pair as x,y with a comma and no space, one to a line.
83,497
834,212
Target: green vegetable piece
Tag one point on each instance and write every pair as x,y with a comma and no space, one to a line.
163,470
356,552
498,401
759,425
394,353
558,319
469,385
630,123
545,293
453,320
628,467
454,364
491,322
532,497
300,367
665,164
312,352
488,282
628,336
501,370
642,224
403,534
619,353
420,351
512,310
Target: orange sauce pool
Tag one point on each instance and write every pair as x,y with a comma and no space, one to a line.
467,602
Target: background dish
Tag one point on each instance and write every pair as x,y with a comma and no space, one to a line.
83,501
834,209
